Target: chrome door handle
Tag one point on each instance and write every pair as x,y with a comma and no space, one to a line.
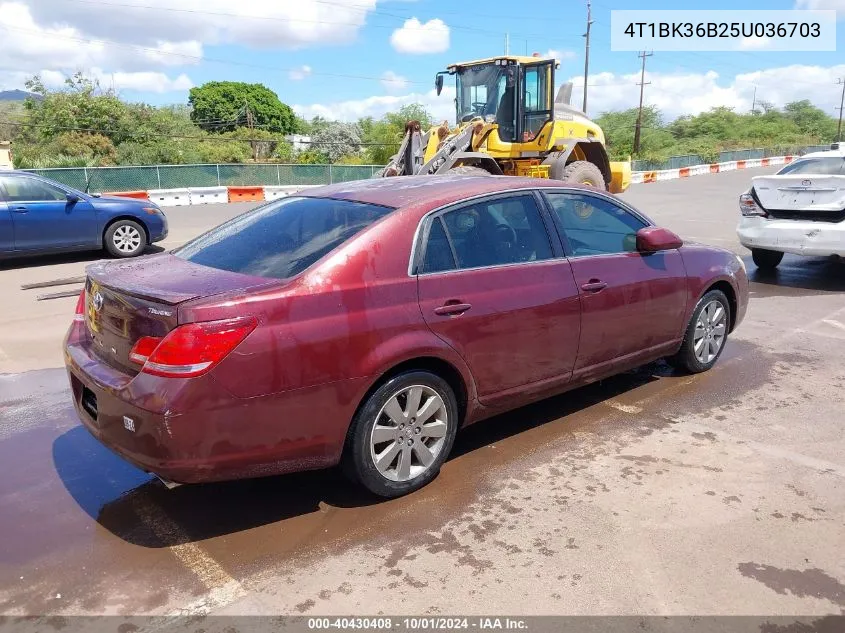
593,286
452,309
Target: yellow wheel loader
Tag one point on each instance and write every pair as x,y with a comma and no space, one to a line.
507,123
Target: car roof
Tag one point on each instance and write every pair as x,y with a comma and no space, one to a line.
828,153
427,191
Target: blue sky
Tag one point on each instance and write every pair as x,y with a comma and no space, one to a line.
348,58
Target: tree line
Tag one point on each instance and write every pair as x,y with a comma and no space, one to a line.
84,124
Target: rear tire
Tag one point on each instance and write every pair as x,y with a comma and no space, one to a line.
376,432
579,171
766,259
125,238
706,334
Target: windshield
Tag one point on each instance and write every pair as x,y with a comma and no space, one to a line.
283,238
481,90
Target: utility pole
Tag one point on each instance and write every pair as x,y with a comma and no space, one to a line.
250,123
754,101
642,85
841,104
507,44
587,53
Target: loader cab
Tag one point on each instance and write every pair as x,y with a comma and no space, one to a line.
513,92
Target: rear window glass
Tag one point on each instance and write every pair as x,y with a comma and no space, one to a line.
815,166
283,238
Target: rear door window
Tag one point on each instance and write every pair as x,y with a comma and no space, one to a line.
24,189
498,231
283,238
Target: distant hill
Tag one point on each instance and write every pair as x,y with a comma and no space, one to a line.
17,95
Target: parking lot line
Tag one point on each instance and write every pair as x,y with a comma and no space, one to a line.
221,586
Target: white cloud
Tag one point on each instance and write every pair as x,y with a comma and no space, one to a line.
754,43
394,83
298,74
417,38
690,93
559,54
674,94
256,23
440,108
834,5
55,52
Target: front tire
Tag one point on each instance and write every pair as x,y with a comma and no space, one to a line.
580,171
125,238
766,259
402,434
706,334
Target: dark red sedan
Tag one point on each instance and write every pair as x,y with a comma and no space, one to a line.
365,323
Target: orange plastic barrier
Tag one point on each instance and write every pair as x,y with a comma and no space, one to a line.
765,162
714,168
683,172
246,194
140,195
650,176
740,164
788,159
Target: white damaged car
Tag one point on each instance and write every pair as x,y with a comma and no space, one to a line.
799,210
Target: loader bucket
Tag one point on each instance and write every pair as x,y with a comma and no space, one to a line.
620,172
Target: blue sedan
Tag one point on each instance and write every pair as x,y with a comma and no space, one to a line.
38,215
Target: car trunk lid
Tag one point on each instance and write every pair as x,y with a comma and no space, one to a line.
130,299
801,193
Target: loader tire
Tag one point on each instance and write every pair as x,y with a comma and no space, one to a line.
579,171
468,170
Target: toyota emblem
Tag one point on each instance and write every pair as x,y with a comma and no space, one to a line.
98,301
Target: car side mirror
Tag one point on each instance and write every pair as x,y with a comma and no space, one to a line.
653,239
72,198
438,84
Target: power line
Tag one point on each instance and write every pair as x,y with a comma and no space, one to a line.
197,58
458,27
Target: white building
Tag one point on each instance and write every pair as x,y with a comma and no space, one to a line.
299,142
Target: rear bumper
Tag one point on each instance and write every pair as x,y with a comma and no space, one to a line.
793,236
193,431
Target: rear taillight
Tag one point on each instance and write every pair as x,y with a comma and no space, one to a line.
143,348
749,208
191,349
79,315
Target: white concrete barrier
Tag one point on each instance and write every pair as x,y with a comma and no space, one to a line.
171,197
274,192
209,195
668,174
637,178
753,162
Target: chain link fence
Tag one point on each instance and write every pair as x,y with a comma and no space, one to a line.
181,176
688,160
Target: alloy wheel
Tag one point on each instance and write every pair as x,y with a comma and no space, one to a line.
126,239
710,330
409,433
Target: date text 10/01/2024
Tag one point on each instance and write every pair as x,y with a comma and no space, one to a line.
421,623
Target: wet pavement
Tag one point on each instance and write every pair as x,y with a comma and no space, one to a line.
649,493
